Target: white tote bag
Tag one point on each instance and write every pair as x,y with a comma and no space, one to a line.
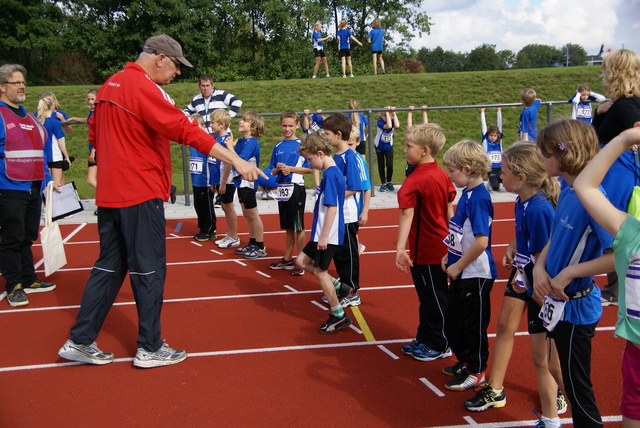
51,239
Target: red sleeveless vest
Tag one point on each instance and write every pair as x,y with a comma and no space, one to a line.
23,146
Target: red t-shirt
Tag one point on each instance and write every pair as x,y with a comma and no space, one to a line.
133,122
428,189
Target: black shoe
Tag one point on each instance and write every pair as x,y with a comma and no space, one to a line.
172,194
485,398
333,324
39,287
343,291
203,236
455,370
17,297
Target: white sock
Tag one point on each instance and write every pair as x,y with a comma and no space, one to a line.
551,423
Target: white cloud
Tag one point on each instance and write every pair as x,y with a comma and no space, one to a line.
461,25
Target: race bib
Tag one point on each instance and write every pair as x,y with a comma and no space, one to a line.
386,137
454,239
211,160
314,127
632,289
521,261
584,112
196,165
284,192
495,157
551,312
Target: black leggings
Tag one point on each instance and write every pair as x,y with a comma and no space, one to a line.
385,159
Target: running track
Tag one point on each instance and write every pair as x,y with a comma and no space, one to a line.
255,356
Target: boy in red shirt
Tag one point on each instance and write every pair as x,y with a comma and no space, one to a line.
426,198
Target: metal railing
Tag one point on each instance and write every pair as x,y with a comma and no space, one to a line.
369,112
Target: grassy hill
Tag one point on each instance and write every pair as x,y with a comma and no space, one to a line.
445,89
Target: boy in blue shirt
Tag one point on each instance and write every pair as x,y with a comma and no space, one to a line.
581,103
288,165
347,259
529,116
327,230
470,266
492,144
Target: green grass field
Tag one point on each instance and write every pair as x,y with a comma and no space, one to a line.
373,92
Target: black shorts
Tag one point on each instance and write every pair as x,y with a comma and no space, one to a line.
535,324
508,290
321,258
376,52
247,197
292,211
227,196
57,164
319,53
344,52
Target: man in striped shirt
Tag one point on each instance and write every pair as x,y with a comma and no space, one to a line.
210,99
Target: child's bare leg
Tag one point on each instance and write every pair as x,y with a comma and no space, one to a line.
350,66
375,63
301,239
56,174
92,176
232,220
326,65
547,386
508,321
254,223
381,62
315,67
326,282
343,60
306,263
288,244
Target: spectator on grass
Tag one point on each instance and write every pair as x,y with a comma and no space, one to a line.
23,172
131,219
58,114
318,49
210,99
55,148
376,38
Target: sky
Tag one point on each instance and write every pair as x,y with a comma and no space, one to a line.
462,25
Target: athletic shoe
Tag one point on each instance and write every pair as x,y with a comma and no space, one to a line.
351,75
245,249
314,77
264,195
217,202
608,301
424,353
256,253
343,292
165,356
361,248
455,370
333,324
384,71
352,299
17,297
390,187
228,242
39,287
486,397
408,349
344,76
328,75
172,193
297,272
89,354
383,188
95,212
283,264
203,236
465,381
562,403
271,195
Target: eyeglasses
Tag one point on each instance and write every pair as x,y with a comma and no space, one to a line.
16,84
175,61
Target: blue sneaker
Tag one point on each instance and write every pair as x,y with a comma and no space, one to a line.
412,347
427,354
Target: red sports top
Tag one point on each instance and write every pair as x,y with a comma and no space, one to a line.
428,190
132,124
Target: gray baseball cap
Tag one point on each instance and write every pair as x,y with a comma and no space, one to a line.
163,44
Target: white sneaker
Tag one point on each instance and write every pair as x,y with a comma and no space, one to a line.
271,195
361,248
228,242
165,356
89,354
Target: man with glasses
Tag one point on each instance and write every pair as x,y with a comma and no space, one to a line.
132,124
22,174
210,99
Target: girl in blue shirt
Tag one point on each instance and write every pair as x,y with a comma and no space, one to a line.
563,273
343,35
318,49
376,37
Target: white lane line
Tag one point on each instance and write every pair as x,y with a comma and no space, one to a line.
432,387
288,287
356,329
216,252
388,352
196,243
263,274
239,262
323,307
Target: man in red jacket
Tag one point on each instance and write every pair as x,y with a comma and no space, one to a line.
133,123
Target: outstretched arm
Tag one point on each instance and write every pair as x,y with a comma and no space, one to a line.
586,184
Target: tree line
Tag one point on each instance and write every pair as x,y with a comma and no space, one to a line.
84,41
